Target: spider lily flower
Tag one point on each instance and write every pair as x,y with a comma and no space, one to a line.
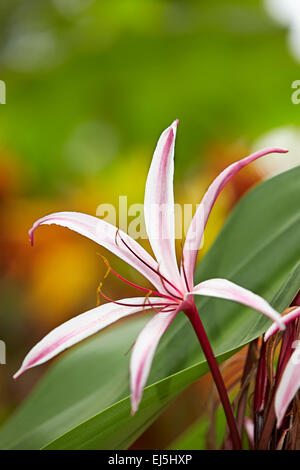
290,379
173,287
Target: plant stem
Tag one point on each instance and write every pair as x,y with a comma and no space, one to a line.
268,427
245,384
197,324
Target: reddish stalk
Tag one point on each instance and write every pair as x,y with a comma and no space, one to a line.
191,311
284,355
245,384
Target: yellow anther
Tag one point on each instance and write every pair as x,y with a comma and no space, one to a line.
106,262
147,296
99,293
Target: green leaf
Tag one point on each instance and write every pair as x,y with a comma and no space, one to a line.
194,437
83,402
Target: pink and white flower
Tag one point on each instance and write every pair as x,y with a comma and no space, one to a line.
173,287
290,379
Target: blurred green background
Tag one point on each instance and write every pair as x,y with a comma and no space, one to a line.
90,86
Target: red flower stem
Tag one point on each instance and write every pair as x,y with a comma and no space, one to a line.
284,356
268,426
244,388
197,324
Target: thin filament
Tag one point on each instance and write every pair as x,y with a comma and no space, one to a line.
183,269
150,292
143,305
150,267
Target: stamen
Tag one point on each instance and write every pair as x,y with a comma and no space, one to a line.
150,267
156,304
147,299
130,348
167,309
107,265
148,295
99,294
183,268
110,269
162,279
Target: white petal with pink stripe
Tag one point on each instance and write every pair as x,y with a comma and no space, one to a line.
108,236
81,327
197,226
228,290
159,206
286,319
288,387
143,352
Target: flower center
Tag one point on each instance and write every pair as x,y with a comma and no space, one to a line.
169,304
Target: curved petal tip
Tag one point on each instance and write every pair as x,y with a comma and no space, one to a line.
18,373
31,235
269,150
